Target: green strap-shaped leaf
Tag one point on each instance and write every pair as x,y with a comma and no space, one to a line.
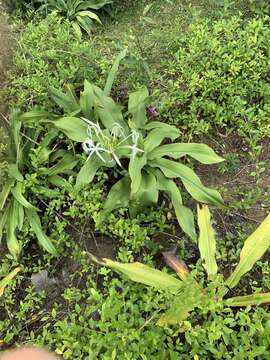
137,103
135,172
5,192
7,280
43,239
87,172
74,128
248,300
108,111
11,227
145,275
156,136
207,241
93,4
14,172
17,193
34,116
192,183
87,100
19,210
89,14
113,72
200,152
66,163
254,248
3,220
184,215
119,196
147,195
67,101
157,125
84,22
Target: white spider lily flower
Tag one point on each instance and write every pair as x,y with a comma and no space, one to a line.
117,131
90,148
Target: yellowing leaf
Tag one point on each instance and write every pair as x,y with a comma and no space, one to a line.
207,241
145,275
254,248
249,300
6,281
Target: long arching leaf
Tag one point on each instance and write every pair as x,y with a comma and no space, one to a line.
207,241
137,103
135,172
74,128
184,215
113,72
145,275
191,181
87,172
7,280
248,300
254,248
156,136
200,152
43,239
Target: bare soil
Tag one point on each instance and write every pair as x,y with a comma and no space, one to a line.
7,43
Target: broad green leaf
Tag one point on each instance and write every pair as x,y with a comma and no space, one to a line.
248,300
43,239
87,100
254,248
14,172
67,101
74,128
113,72
87,172
59,182
19,210
119,196
5,192
17,193
156,136
11,227
108,111
66,163
184,215
145,275
137,103
200,152
7,280
34,116
90,14
135,172
146,195
191,181
85,23
93,4
77,29
207,241
3,220
157,125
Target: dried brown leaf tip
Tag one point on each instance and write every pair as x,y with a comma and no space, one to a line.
176,264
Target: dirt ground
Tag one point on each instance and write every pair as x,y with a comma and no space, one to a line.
7,42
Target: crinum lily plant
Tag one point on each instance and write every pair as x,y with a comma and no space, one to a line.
144,150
